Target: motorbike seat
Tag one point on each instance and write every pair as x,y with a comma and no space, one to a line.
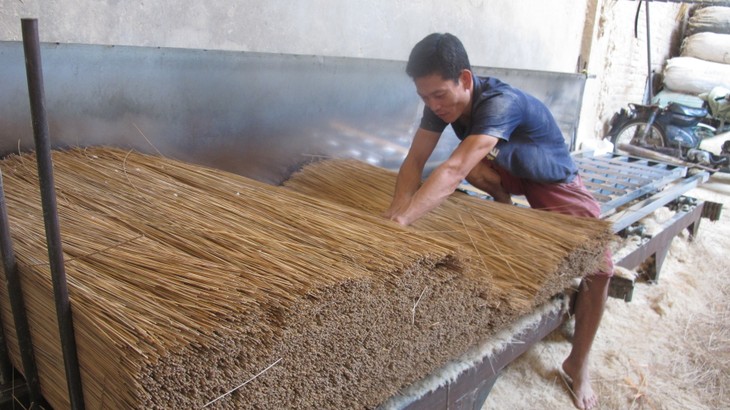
687,110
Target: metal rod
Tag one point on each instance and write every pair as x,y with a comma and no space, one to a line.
5,366
31,46
17,304
650,74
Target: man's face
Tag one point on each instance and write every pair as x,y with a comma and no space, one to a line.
448,99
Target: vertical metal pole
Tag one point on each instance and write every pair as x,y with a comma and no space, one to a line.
650,75
17,304
31,46
5,366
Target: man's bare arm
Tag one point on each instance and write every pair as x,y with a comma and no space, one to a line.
446,178
411,171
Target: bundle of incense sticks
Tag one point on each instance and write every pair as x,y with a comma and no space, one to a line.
192,287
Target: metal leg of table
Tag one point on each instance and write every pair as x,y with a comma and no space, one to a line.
655,250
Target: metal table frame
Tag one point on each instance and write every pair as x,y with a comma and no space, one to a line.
630,189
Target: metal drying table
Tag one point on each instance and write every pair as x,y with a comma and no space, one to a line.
631,188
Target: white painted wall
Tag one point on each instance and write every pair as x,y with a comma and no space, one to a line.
528,34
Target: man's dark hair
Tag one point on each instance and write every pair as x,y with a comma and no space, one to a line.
438,53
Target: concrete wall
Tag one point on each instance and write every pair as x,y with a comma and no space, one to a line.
618,65
529,34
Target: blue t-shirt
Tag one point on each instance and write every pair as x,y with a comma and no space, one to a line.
531,145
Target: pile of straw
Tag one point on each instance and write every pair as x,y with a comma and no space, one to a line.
194,287
530,255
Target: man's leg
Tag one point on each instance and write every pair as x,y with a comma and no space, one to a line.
574,199
488,180
589,305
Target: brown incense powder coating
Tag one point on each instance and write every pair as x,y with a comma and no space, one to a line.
353,345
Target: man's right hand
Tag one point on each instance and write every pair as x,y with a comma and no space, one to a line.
395,209
409,175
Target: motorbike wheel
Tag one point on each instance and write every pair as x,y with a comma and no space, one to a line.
631,132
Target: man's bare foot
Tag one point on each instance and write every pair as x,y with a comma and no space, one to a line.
580,383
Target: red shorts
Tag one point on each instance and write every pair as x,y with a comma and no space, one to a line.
570,198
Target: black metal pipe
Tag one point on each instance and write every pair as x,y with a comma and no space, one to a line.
31,47
649,86
17,304
5,366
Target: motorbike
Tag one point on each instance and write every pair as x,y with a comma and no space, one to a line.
676,130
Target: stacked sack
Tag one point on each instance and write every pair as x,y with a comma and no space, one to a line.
704,61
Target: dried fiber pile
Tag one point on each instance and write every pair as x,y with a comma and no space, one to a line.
530,255
189,285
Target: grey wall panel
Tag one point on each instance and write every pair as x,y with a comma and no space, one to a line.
255,114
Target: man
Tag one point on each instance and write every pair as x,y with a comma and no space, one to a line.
510,145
